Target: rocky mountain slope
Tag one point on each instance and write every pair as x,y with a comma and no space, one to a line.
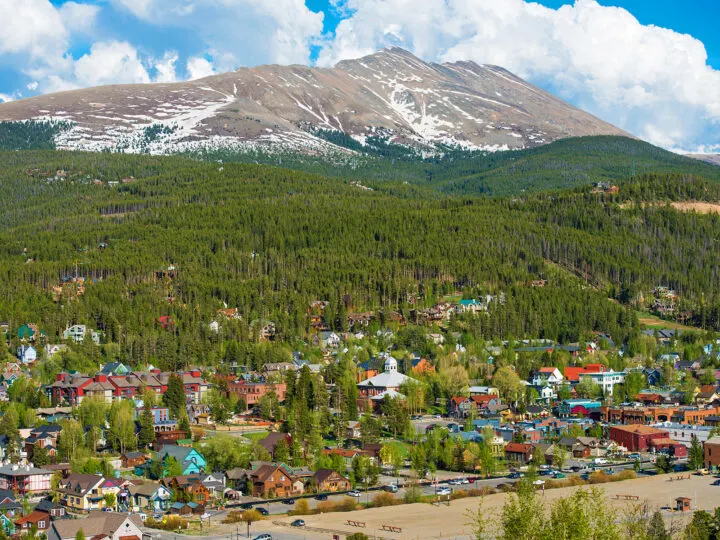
713,159
390,94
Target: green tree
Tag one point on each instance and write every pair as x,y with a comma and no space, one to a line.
664,464
110,500
70,439
587,388
80,535
634,383
656,528
696,456
121,434
93,415
560,456
174,397
146,436
40,456
172,467
369,429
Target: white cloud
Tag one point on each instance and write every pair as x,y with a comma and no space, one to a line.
198,67
240,31
32,86
5,98
79,17
648,80
165,68
32,27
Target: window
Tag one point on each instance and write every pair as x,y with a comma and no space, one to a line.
41,524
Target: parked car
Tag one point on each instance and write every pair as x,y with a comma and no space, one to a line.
321,497
716,483
392,488
263,537
157,517
354,493
516,475
262,511
455,482
558,475
546,472
600,461
443,491
288,501
438,416
298,523
106,509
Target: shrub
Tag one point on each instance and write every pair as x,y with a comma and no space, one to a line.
384,499
324,507
233,516
357,536
458,494
170,523
302,508
347,505
627,474
599,477
413,494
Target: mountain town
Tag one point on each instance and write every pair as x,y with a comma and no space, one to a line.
420,419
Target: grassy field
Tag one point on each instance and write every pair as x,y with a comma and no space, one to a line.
651,321
256,435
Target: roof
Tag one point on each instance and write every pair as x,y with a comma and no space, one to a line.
639,429
573,373
33,517
16,470
95,524
321,475
387,379
518,448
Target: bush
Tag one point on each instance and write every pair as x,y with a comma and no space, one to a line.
347,505
627,474
599,477
170,523
413,494
233,516
357,536
302,508
324,507
384,499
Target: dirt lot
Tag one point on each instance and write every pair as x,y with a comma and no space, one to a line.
695,206
426,521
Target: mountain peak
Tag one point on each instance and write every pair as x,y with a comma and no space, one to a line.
391,94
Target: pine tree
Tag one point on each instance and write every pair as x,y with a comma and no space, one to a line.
147,427
696,456
656,529
174,398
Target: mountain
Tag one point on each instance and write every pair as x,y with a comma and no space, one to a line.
391,95
713,159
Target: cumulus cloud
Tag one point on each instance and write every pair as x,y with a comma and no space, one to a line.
32,27
198,67
241,32
651,81
79,17
165,68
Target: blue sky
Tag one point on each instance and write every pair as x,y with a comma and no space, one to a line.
651,67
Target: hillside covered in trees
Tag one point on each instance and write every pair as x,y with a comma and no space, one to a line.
161,243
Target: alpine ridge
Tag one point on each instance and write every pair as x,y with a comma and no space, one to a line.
392,95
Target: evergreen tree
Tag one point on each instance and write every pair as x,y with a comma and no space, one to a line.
174,397
146,436
696,456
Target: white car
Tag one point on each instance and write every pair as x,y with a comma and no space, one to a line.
443,491
600,461
354,493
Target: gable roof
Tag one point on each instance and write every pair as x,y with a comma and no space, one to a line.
98,524
518,448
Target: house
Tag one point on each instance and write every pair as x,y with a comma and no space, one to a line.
27,354
185,509
352,430
606,379
329,339
7,525
190,460
576,407
110,525
82,492
252,392
190,485
712,452
327,480
150,495
130,460
638,438
518,453
547,375
25,479
270,480
270,442
115,368
37,518
388,382
53,509
77,333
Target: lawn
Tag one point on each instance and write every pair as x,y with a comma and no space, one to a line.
651,321
256,435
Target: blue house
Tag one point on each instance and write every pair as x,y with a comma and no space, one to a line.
190,460
27,354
